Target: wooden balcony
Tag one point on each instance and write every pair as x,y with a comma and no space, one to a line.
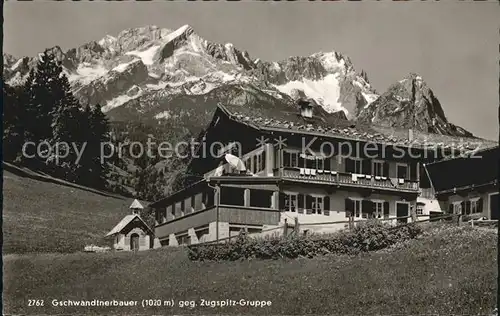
245,215
348,179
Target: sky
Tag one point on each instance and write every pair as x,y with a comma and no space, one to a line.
453,45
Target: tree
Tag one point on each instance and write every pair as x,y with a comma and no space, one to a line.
95,167
13,118
43,94
68,124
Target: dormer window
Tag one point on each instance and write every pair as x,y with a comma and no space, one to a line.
306,108
306,112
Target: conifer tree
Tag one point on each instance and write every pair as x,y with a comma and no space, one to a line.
98,133
13,118
68,124
42,92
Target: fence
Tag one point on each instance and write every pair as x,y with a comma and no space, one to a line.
288,230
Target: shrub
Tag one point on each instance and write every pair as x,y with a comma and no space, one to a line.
368,236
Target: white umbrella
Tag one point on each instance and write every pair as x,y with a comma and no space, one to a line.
235,162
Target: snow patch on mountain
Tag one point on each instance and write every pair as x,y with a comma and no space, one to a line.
326,90
122,67
16,65
107,40
163,115
122,99
157,86
181,30
147,56
86,73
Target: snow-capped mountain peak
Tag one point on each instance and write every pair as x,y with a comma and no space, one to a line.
148,64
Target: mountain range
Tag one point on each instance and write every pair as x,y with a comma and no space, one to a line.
155,75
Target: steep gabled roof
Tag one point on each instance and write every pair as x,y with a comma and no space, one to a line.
289,119
136,205
124,222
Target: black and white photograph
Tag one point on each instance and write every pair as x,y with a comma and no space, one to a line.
250,157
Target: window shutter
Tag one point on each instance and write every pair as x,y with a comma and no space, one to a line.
282,201
300,202
349,207
286,159
386,169
264,158
326,205
328,163
349,165
480,205
367,208
463,207
450,208
366,167
386,209
413,171
309,200
467,208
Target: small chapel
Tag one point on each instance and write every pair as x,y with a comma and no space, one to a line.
132,233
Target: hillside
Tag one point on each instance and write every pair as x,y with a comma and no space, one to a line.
438,273
43,214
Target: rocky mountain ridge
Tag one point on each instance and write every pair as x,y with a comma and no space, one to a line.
153,74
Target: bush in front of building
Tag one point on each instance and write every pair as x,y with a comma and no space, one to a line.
369,236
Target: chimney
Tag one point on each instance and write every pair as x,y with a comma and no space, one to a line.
410,134
306,108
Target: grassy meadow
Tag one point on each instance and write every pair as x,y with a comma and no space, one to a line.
446,270
41,214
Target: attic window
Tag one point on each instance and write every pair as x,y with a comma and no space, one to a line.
306,109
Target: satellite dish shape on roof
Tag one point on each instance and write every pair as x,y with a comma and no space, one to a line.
136,205
235,162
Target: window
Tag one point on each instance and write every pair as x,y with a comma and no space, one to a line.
184,240
260,198
320,163
317,205
402,171
457,207
354,165
294,159
259,163
290,202
475,206
357,208
378,207
290,159
232,196
310,162
420,210
378,168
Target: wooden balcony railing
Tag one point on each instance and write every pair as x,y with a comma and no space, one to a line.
349,179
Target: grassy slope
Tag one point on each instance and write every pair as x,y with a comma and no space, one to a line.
448,271
42,216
